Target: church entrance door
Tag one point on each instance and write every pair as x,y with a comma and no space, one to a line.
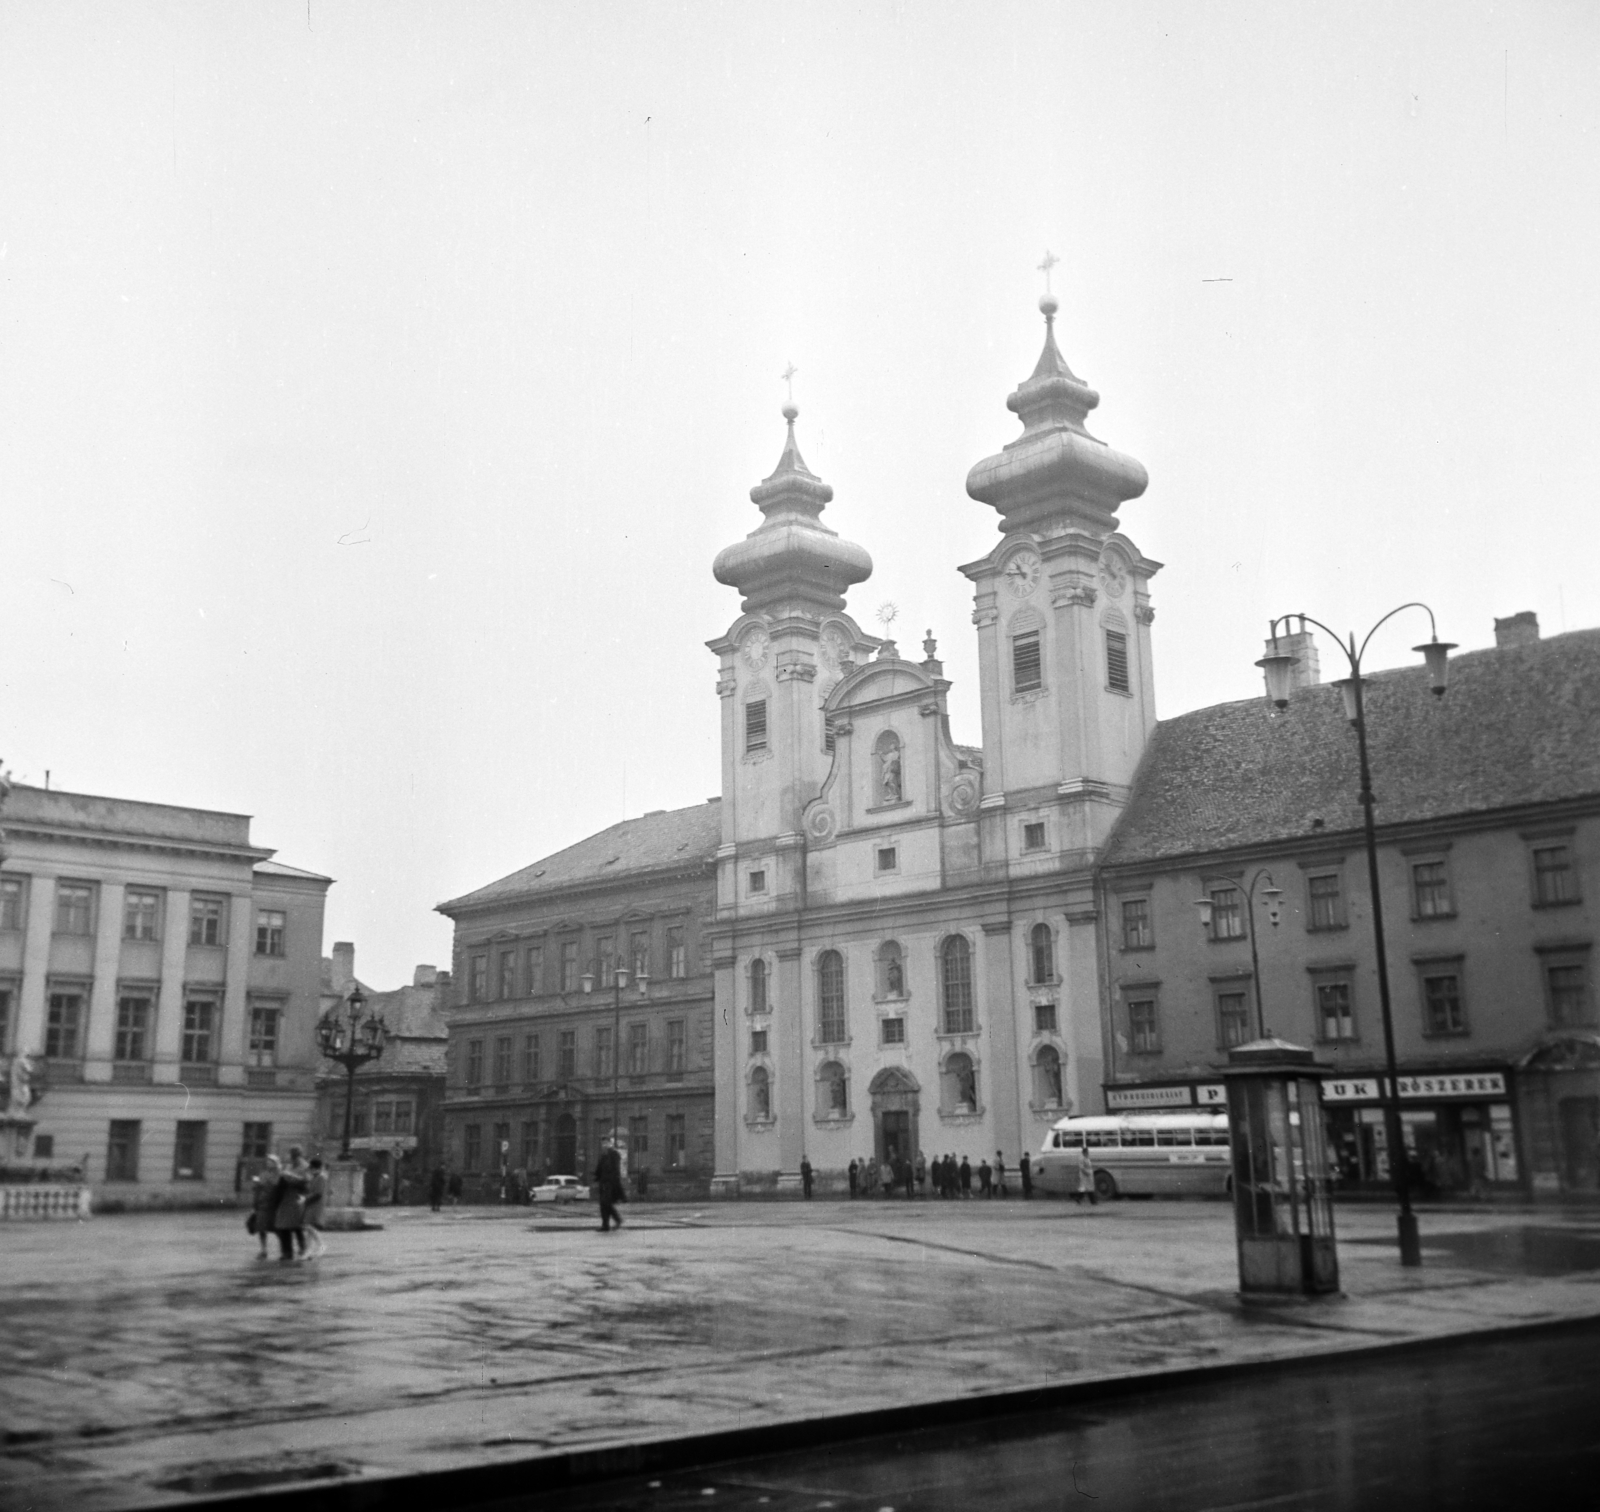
894,1092
566,1159
896,1137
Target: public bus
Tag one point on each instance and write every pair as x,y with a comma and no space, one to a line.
1154,1154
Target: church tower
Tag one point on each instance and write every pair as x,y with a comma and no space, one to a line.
1063,612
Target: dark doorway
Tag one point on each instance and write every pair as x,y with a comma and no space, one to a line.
1580,1127
566,1161
896,1136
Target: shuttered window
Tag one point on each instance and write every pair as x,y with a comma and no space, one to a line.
755,725
1117,661
1025,664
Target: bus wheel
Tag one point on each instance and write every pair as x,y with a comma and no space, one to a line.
1105,1185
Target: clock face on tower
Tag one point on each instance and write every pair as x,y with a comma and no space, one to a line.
1113,574
754,645
1021,573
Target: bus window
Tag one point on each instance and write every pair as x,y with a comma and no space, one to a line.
1172,1136
1211,1136
1096,1137
1140,1136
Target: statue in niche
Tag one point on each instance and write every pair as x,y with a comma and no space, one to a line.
1050,1065
889,774
966,1085
896,977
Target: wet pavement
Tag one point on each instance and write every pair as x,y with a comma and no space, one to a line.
149,1359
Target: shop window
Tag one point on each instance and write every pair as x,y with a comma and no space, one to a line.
830,998
1144,1029
1325,901
1042,954
1555,879
1138,930
955,959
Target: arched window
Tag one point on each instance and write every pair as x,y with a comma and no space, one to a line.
956,958
1042,953
833,1091
888,770
830,998
1047,1077
760,1093
758,986
959,1085
891,970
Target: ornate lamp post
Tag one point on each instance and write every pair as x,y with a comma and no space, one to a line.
352,1040
619,980
1271,894
1278,666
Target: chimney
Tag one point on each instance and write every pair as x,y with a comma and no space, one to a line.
425,976
1302,645
344,966
1517,629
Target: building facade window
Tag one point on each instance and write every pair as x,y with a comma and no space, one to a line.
530,1059
1430,890
638,1049
639,954
567,1053
677,953
677,1046
1144,1027
1567,987
122,1150
141,915
529,1135
1555,879
830,998
478,981
1047,1088
189,1151
264,1036
1042,953
402,1115
1138,931
1044,1018
888,858
63,1026
74,908
755,725
199,1030
502,1060
1227,914
605,954
1117,662
892,1031
256,1143
959,1084
677,1144
955,960
758,986
569,965
7,999
472,1147
533,965
1336,1015
758,881
1027,667
11,903
603,1049
760,1093
1233,1017
1325,901
508,974
475,1063
207,920
270,924
133,1027
638,1138
1442,1009
1033,836
758,1041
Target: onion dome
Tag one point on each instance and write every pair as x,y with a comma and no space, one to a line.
1055,473
792,557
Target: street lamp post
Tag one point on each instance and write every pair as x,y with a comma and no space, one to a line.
1278,666
619,980
1272,893
351,1039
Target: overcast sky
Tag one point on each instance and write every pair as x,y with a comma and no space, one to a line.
377,382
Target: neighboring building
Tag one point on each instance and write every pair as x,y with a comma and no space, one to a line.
540,1072
163,973
905,934
397,1123
1488,810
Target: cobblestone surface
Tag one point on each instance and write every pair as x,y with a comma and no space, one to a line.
145,1356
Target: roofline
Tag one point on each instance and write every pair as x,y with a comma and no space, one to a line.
451,907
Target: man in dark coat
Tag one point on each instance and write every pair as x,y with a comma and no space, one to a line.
1025,1166
436,1188
608,1188
966,1177
985,1178
805,1178
855,1178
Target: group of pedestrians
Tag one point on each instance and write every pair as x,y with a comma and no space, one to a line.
952,1179
288,1200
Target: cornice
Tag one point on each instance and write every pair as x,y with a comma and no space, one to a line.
111,840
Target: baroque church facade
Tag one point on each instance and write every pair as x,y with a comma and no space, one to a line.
904,941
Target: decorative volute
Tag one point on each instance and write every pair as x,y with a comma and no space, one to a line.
792,559
1055,475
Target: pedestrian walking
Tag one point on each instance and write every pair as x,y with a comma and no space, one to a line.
805,1177
1025,1167
264,1201
316,1196
436,1188
855,1177
985,1179
966,1177
908,1177
608,1188
1085,1178
288,1218
922,1174
1000,1175
886,1178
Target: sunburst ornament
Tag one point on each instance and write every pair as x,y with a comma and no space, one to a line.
888,612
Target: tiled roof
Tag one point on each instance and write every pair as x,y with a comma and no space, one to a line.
669,837
278,869
1518,725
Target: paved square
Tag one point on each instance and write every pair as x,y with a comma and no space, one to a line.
141,1356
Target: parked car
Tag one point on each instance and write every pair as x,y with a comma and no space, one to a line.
561,1189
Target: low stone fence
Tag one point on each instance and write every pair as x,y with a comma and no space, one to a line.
43,1200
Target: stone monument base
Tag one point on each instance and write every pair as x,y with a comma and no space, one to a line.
342,1209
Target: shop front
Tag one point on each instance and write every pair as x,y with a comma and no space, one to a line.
1459,1130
